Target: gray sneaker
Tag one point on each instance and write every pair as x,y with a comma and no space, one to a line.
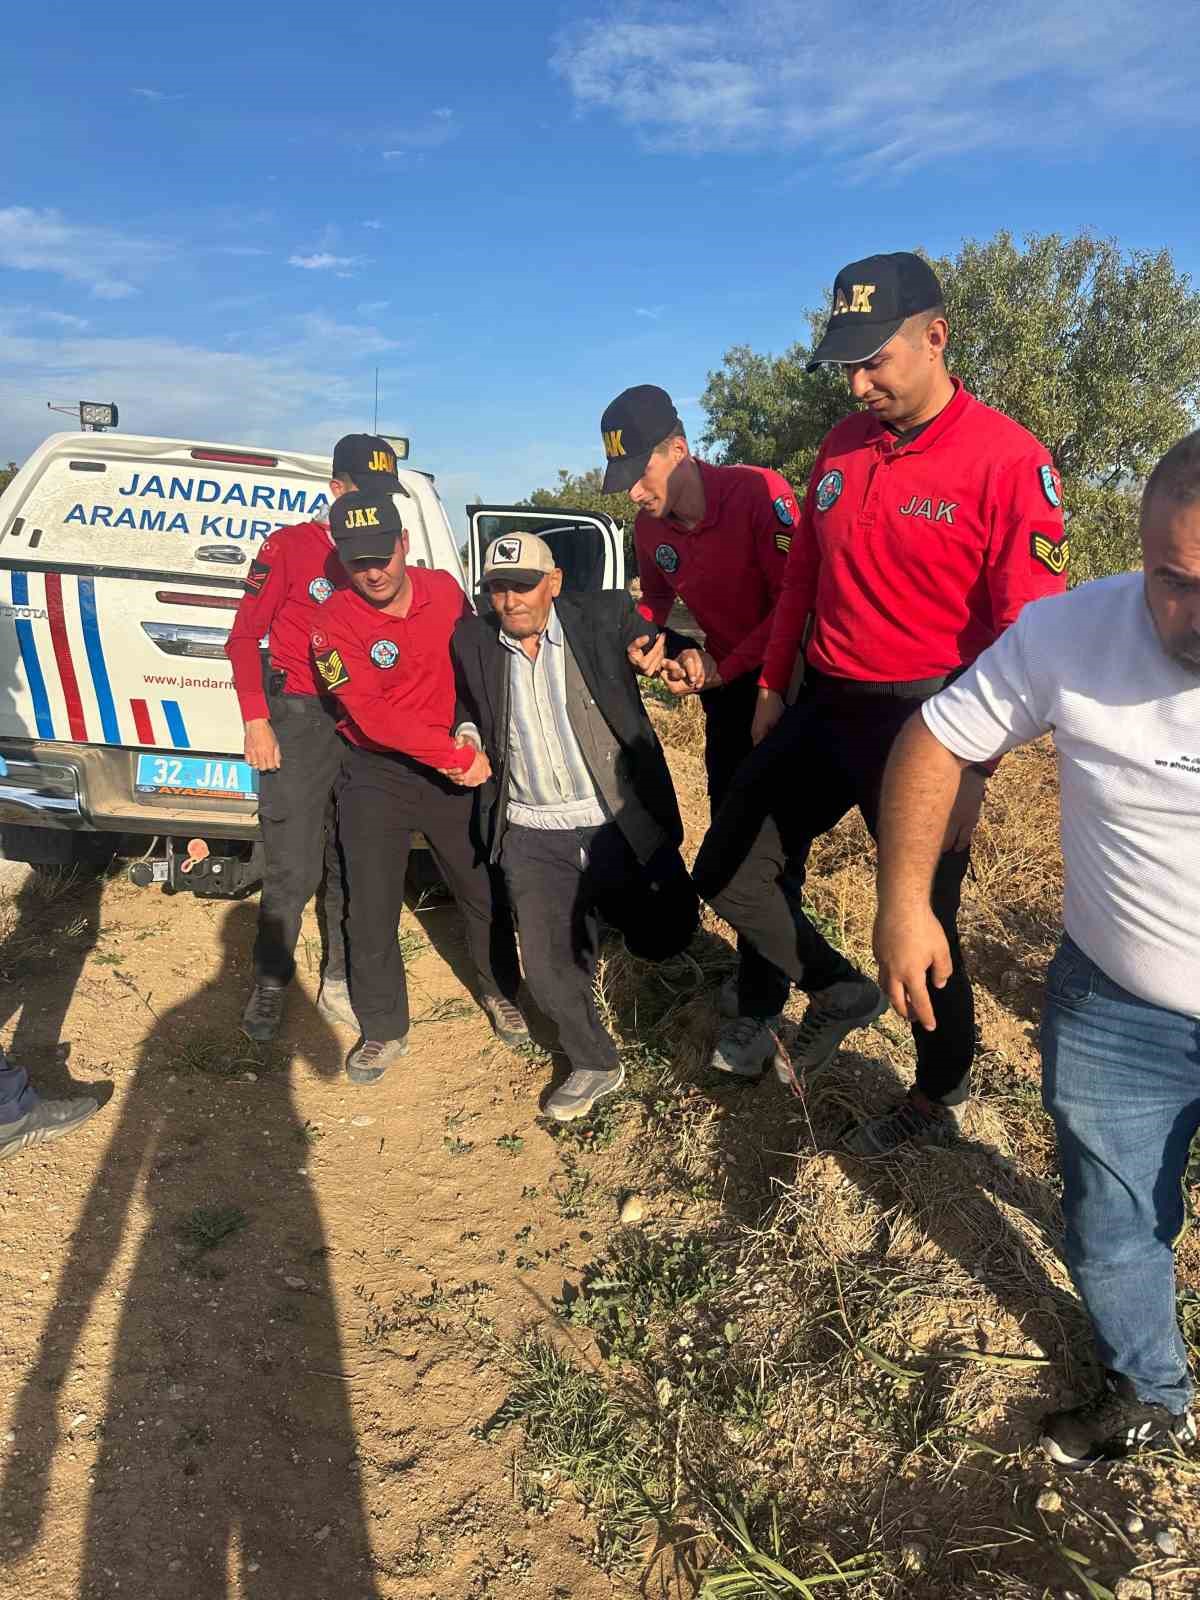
264,1012
507,1022
902,1125
746,1047
371,1058
832,1014
49,1119
334,1002
581,1091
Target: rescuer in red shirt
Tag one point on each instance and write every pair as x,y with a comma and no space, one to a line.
930,520
718,538
291,742
382,646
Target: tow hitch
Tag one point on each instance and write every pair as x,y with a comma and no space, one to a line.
216,870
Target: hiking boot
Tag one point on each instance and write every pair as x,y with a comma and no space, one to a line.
333,1002
49,1119
907,1123
581,1091
507,1022
832,1014
264,1012
1112,1424
371,1058
745,1047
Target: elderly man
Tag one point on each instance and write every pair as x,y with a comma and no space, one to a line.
1113,670
930,520
583,817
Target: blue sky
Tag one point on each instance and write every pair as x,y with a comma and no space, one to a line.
224,217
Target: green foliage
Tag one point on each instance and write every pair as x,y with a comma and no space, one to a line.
580,491
575,1428
7,474
643,1281
1094,350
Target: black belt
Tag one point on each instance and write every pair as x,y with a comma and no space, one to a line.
900,689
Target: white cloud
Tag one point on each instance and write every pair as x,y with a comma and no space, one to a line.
401,140
881,91
294,397
108,262
653,312
155,94
322,261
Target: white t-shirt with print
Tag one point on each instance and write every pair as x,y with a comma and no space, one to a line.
1087,666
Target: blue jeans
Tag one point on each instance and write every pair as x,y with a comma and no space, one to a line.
16,1091
1122,1081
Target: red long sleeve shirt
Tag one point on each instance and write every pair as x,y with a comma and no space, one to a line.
914,557
728,571
393,676
294,572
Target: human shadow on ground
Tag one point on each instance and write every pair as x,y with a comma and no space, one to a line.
226,1442
55,927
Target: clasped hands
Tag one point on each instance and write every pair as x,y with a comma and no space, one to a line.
689,672
477,773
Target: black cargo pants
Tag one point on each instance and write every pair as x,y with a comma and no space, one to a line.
297,816
383,799
827,755
728,715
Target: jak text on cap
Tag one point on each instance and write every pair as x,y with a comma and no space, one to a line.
632,427
365,526
368,461
871,298
517,558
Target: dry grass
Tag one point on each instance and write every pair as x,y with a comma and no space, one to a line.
851,1395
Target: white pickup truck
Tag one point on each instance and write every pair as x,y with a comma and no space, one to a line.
121,565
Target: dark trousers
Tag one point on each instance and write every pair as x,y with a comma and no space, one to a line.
561,882
826,755
297,816
382,801
728,713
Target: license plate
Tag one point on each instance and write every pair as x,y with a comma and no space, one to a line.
195,775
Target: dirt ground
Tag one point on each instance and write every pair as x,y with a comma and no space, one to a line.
204,1394
256,1318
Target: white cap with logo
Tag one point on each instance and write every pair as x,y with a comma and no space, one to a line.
521,557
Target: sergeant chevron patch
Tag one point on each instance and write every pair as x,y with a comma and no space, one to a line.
1054,554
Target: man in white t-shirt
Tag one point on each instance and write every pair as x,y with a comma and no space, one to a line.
1112,669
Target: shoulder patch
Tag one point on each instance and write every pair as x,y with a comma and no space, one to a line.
259,572
785,510
1053,553
385,653
319,590
1051,485
667,557
332,668
828,490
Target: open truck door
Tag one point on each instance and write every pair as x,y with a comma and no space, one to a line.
588,546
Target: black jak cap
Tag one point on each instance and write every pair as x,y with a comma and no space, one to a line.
871,299
368,461
637,421
365,526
